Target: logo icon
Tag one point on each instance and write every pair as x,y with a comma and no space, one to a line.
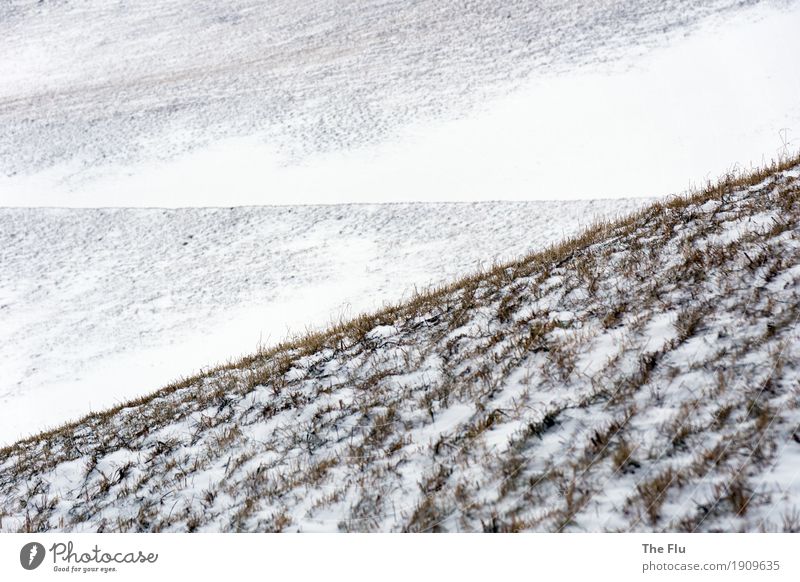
31,555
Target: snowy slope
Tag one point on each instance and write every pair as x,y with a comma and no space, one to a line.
192,103
643,376
99,306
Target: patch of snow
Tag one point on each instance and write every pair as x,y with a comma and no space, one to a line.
193,104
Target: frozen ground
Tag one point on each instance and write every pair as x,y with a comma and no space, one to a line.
644,377
99,306
204,103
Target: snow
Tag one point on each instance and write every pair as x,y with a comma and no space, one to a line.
190,104
100,306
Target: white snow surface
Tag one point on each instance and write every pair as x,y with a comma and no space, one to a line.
201,103
101,306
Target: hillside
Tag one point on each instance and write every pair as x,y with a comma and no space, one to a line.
245,102
640,377
86,293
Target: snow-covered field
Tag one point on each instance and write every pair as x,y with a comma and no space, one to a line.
191,103
99,306
644,377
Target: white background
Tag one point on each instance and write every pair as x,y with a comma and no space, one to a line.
371,557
